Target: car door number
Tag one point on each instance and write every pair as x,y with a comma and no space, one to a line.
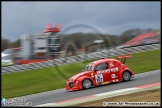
99,78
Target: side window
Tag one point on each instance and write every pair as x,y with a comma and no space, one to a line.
102,66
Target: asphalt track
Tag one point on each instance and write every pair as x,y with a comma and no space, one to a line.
61,94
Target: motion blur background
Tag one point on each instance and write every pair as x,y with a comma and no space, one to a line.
122,23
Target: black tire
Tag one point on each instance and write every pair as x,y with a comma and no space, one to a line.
126,76
86,83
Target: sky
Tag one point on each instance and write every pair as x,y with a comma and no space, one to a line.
20,18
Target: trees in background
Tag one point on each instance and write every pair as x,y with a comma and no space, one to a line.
80,40
5,44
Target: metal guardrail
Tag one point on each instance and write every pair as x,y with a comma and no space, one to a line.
90,56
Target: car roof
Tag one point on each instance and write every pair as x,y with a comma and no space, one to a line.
104,60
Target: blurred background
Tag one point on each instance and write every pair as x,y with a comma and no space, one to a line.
40,31
36,34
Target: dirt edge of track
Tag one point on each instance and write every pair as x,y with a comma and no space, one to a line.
142,96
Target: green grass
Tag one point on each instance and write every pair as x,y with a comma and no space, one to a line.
34,81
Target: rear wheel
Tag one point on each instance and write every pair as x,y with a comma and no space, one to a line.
126,76
86,83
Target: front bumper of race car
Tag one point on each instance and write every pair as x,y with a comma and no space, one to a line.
70,86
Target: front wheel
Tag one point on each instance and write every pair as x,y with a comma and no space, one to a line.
126,76
86,84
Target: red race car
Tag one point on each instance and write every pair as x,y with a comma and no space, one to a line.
101,72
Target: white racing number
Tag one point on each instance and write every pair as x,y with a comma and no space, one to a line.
99,78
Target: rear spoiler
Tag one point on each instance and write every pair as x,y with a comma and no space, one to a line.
123,58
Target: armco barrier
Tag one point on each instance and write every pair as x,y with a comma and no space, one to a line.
90,56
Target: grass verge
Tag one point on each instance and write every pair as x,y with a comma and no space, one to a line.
40,80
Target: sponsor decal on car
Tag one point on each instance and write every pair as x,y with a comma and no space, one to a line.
92,75
111,64
117,80
113,81
105,83
113,76
108,70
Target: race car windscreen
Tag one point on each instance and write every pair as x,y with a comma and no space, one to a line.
89,67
